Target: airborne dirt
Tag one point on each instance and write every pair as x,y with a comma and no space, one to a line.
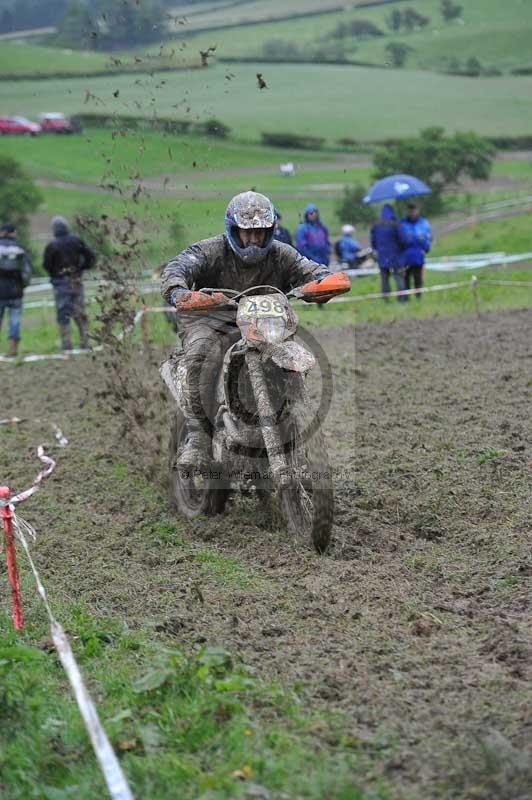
416,625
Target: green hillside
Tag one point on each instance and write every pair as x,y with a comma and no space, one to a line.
19,57
497,34
213,14
365,104
97,152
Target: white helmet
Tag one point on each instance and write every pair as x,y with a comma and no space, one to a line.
347,229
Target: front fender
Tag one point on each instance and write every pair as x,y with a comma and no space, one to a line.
292,356
175,376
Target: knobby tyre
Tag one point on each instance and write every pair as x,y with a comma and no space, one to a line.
308,503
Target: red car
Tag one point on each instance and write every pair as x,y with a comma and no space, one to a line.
18,125
54,122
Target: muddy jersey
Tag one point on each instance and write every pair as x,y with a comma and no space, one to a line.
211,263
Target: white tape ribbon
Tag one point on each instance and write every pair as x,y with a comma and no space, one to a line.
112,771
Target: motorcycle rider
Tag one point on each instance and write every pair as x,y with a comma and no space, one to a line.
245,255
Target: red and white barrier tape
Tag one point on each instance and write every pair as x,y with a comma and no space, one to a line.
49,466
112,772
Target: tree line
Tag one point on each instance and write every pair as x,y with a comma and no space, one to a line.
18,15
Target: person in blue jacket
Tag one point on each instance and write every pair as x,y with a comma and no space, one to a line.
385,242
347,248
312,237
415,235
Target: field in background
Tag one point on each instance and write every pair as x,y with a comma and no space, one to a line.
496,34
363,104
41,335
207,15
87,157
188,179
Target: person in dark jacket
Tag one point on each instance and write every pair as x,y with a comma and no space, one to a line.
415,236
245,255
385,242
281,234
66,257
15,275
312,237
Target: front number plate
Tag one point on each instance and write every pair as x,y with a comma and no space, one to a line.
261,306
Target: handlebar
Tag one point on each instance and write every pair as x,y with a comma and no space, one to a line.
316,291
236,294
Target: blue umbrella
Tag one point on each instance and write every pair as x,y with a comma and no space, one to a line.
396,187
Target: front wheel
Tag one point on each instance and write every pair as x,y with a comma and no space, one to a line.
308,501
195,494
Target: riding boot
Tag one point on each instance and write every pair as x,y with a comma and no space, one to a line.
195,454
12,348
66,341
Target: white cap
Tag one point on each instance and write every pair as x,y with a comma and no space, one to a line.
347,229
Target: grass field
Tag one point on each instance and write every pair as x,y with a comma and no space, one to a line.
496,34
196,196
20,57
365,104
85,158
40,333
214,14
195,721
504,235
197,218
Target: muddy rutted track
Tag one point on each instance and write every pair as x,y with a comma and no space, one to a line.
415,625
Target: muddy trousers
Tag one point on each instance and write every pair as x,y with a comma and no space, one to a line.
415,274
70,303
204,343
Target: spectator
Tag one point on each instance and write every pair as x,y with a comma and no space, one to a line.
281,234
415,235
15,275
347,248
312,237
385,242
65,259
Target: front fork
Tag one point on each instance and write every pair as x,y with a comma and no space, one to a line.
270,433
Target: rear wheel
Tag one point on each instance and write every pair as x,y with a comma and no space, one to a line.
196,494
308,501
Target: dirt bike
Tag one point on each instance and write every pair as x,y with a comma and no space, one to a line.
364,258
262,429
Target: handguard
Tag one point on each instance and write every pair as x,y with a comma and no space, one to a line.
321,291
196,302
